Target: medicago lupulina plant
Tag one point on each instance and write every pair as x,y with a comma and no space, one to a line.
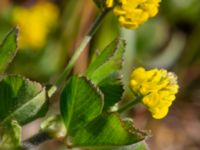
90,104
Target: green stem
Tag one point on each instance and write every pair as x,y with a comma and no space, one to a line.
82,46
129,105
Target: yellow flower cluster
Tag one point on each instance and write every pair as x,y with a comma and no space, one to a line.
157,87
35,23
132,13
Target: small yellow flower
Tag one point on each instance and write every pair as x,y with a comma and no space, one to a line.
35,23
132,13
157,87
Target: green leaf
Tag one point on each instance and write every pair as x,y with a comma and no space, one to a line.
81,102
107,131
8,49
10,136
21,100
105,71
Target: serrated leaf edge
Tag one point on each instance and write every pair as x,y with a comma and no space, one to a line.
94,86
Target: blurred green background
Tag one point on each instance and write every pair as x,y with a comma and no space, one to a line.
170,41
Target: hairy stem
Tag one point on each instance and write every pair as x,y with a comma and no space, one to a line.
82,46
